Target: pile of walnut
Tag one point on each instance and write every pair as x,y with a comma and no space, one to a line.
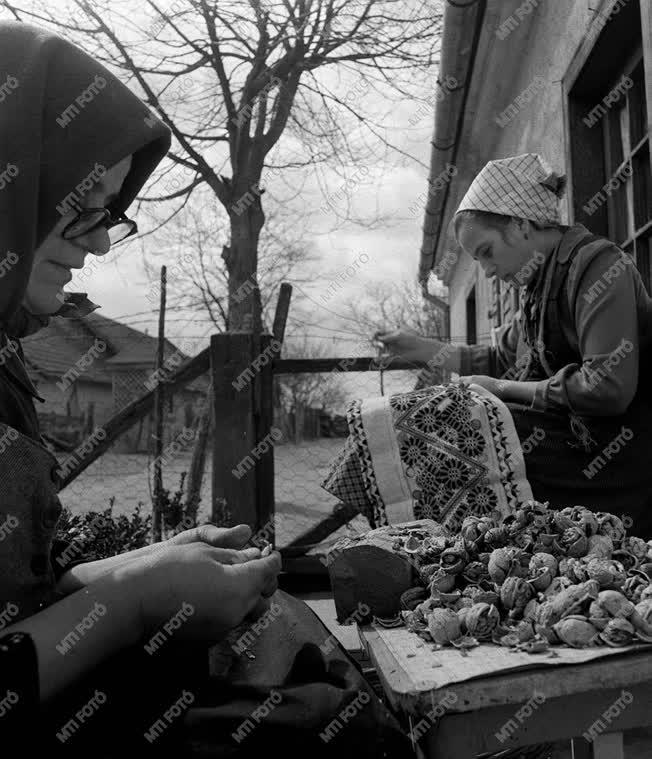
541,577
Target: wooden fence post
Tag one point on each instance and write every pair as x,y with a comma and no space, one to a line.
265,430
157,504
243,466
234,481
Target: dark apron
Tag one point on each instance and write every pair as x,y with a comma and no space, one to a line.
315,701
559,467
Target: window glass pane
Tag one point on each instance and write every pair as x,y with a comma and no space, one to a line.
637,106
614,139
624,130
642,178
643,260
618,216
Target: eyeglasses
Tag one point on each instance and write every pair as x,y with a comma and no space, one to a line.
88,219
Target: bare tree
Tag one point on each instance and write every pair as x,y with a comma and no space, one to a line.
386,306
201,283
259,69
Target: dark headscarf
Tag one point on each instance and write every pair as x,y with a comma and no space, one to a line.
64,119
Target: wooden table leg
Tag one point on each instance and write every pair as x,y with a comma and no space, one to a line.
581,749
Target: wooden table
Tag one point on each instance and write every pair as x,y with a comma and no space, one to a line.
482,714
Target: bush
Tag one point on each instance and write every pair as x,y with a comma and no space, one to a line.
101,534
172,508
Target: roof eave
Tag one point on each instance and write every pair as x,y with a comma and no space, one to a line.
460,37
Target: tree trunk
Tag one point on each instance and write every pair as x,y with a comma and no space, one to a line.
241,259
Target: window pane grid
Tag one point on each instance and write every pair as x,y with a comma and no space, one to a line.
627,163
642,177
637,105
644,259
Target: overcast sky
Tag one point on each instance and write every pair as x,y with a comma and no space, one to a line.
386,184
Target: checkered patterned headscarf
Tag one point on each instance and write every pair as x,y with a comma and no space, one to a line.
521,186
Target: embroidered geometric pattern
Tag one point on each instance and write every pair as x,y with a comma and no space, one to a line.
457,457
447,474
504,452
379,515
344,479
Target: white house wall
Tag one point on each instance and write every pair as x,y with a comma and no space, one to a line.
543,44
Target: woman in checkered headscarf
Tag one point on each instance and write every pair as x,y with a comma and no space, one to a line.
572,365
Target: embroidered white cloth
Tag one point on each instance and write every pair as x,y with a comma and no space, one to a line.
440,453
521,186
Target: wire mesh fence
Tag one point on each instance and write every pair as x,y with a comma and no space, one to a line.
302,459
122,476
309,411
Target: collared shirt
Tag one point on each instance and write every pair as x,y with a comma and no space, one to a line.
605,319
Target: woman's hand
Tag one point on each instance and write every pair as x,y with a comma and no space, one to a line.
220,595
136,600
408,345
220,537
228,544
493,385
230,540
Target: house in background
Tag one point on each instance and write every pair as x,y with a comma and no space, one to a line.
83,394
570,80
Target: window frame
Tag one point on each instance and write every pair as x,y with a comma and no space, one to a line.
634,233
583,142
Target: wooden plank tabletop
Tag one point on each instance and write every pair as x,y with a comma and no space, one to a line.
410,681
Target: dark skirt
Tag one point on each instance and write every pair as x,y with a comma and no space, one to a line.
616,476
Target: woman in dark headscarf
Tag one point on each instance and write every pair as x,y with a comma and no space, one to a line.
76,146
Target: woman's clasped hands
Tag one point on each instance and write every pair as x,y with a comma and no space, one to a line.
202,571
